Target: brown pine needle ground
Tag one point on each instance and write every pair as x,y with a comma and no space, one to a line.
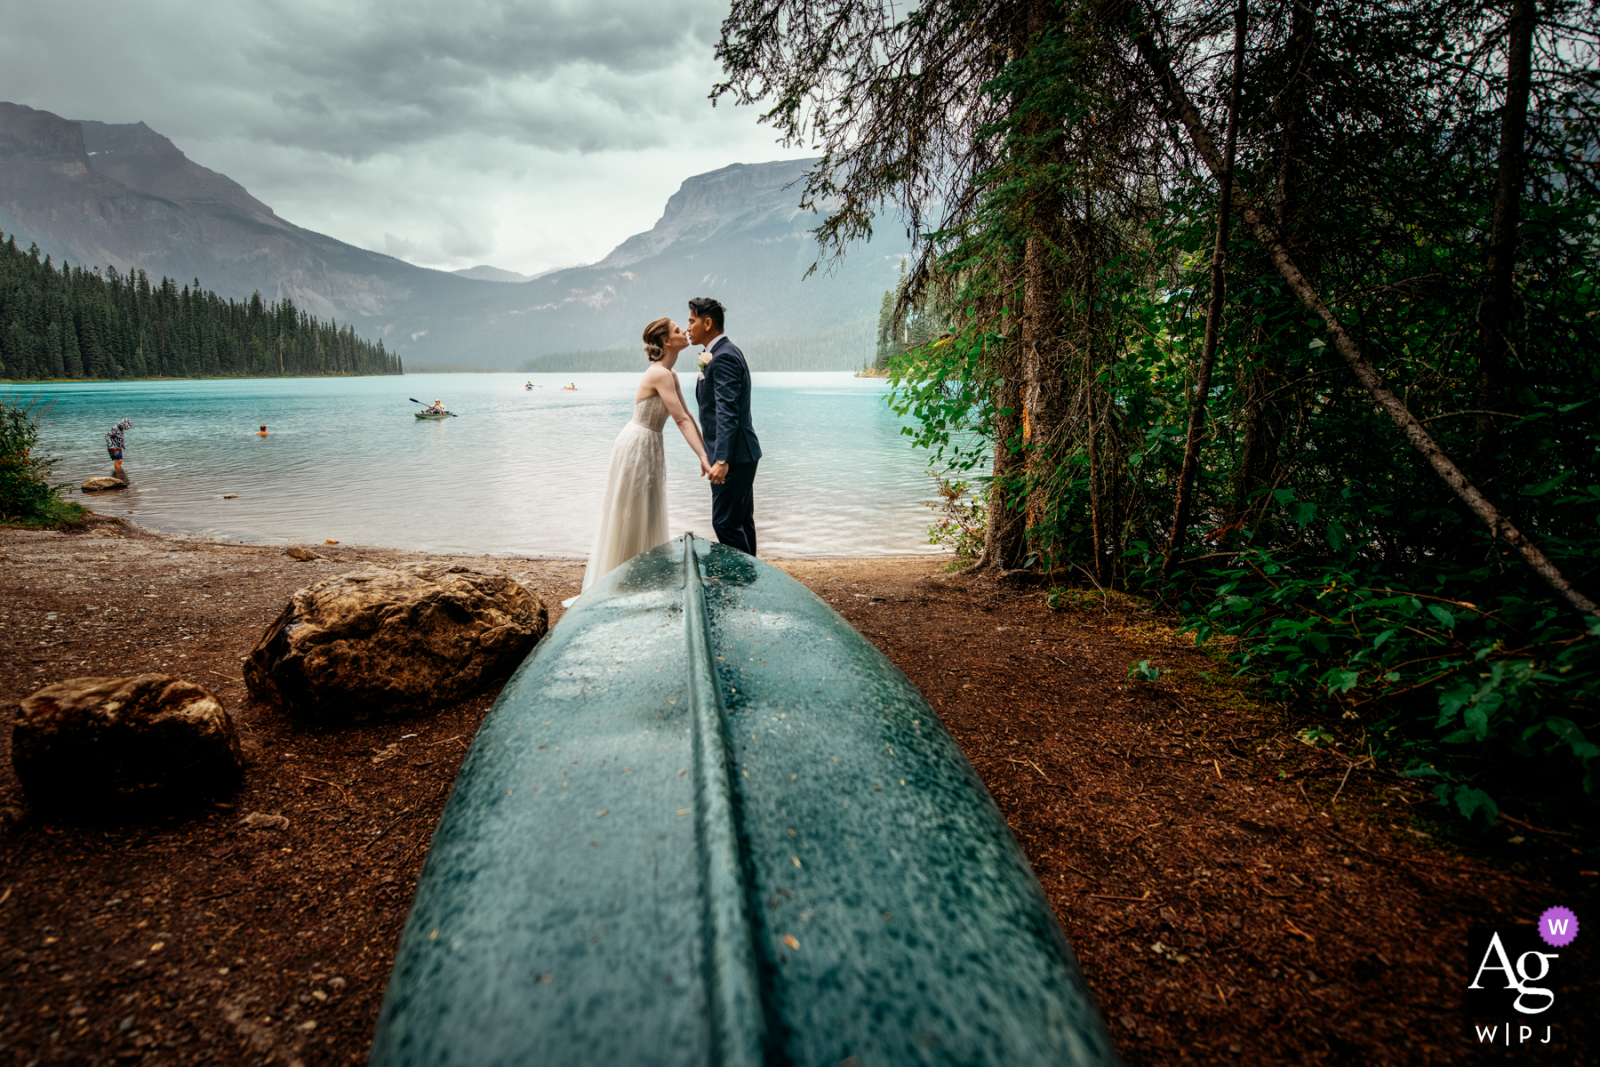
1233,895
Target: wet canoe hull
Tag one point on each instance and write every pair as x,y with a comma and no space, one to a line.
708,822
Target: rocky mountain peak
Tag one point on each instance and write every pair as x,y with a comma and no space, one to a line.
149,163
741,195
39,136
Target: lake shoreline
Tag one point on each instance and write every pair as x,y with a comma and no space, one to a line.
519,472
94,520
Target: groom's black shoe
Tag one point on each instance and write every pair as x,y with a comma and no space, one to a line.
733,506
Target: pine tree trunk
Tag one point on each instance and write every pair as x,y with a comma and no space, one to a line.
1208,352
1005,526
1494,311
1043,289
1259,435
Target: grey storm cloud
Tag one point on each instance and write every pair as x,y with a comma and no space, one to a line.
528,134
365,78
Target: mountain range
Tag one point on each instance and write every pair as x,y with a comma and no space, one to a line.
123,195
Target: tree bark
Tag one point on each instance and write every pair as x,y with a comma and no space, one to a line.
1262,422
1043,290
1259,433
1300,51
1208,351
1499,526
1494,311
1096,519
1004,524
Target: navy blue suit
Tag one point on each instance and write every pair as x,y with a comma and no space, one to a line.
724,396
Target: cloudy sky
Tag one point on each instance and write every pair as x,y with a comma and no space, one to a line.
525,134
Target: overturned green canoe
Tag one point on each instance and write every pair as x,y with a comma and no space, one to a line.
708,823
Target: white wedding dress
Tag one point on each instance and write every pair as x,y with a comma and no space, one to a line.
633,513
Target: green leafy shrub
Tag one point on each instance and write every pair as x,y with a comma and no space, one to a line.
27,497
960,520
1502,688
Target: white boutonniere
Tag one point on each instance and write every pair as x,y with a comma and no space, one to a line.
705,361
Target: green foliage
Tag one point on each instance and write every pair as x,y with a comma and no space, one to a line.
1142,671
27,497
1346,575
76,323
946,388
1073,257
961,520
1427,675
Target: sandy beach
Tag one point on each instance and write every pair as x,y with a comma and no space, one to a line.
1233,894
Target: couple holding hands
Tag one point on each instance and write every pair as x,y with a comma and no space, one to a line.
633,513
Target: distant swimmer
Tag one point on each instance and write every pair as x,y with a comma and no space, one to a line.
263,432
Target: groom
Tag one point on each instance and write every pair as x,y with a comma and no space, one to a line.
724,395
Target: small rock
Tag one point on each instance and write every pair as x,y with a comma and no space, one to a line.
100,485
230,496
257,820
89,742
330,541
394,639
304,555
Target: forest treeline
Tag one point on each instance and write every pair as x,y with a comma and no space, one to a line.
1280,311
69,322
831,347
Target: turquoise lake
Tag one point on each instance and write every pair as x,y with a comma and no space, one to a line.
518,472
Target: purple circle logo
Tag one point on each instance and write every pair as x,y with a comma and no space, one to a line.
1558,926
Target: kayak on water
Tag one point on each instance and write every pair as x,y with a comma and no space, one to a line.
707,822
435,414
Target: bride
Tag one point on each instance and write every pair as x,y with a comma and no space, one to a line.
633,513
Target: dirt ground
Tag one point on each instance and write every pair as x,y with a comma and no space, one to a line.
1234,895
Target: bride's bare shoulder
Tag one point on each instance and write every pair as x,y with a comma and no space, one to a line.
654,380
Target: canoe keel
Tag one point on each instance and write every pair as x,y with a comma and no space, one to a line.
708,823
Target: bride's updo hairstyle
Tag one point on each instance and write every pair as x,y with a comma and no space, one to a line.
655,339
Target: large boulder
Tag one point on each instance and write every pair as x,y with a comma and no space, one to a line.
100,485
387,640
87,742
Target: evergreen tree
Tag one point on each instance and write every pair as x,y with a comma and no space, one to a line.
72,356
68,322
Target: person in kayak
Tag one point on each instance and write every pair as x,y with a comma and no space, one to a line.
437,409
